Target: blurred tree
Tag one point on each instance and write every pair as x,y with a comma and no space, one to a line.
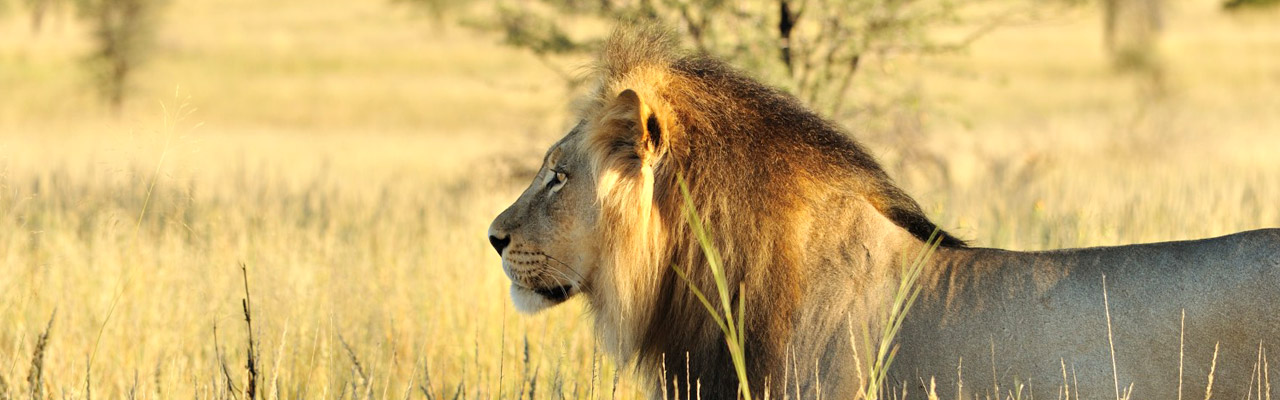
1234,5
1131,29
123,33
540,36
41,8
435,9
1131,35
813,48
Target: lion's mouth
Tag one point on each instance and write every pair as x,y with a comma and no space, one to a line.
556,294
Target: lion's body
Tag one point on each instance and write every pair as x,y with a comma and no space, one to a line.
988,318
1032,315
815,231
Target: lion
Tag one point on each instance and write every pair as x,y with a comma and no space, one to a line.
813,233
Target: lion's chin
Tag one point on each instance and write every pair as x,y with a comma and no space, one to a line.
530,301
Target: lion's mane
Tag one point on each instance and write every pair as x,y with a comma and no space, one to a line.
756,163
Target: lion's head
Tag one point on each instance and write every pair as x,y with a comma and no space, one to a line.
545,237
589,223
604,216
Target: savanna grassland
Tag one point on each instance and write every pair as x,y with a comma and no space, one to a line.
351,155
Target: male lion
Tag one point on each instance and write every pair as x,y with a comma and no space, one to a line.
816,233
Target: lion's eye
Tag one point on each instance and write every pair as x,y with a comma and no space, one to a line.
557,179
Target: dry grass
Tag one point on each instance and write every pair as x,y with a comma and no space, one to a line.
352,156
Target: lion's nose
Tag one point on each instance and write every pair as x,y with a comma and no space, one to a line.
499,243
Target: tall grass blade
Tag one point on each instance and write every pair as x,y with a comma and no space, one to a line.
734,330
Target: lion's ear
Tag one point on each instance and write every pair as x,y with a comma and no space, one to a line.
635,128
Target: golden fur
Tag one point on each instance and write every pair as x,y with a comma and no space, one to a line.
815,231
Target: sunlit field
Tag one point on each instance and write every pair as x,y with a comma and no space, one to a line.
350,156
